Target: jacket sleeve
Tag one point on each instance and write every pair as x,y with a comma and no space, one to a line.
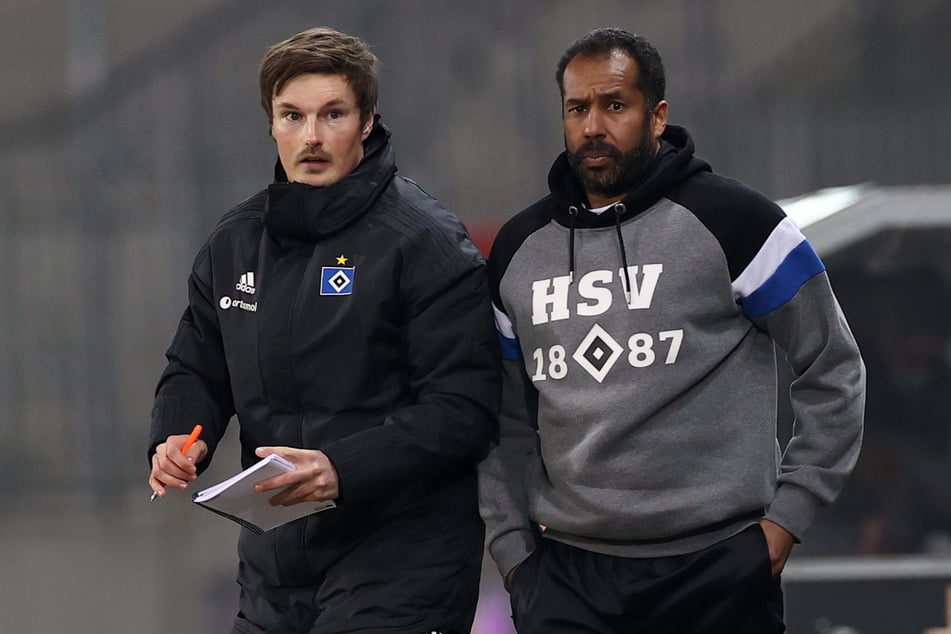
503,501
786,292
195,386
451,359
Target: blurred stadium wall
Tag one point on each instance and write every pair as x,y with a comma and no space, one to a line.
128,127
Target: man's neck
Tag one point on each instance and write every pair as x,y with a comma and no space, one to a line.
596,201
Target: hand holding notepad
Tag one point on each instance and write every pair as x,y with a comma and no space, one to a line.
236,499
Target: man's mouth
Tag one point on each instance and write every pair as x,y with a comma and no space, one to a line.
596,158
597,155
314,160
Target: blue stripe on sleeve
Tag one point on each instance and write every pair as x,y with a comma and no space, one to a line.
510,348
801,265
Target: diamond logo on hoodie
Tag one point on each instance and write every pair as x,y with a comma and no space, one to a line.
597,353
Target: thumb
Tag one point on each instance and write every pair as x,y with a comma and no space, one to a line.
283,452
197,452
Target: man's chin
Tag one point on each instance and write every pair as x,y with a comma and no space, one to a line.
601,184
316,179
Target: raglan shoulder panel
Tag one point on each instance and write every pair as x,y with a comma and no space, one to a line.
510,239
768,257
740,218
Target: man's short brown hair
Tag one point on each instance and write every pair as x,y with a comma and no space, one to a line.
324,51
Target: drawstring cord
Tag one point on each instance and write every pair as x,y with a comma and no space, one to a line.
619,210
572,214
626,281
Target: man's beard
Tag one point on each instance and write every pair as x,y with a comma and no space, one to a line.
628,168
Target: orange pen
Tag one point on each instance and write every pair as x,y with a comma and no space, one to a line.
192,437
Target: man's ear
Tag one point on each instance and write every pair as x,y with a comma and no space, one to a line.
659,120
368,126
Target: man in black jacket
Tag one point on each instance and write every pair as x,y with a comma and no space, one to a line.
343,315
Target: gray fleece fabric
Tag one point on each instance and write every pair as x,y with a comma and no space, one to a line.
641,421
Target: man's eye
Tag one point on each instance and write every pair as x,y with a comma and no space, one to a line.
292,116
334,114
577,109
615,106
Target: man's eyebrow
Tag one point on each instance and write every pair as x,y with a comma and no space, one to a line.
333,103
613,95
336,103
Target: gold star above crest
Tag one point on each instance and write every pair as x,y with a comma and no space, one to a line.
341,259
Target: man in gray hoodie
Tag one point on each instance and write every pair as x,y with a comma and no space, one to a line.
638,484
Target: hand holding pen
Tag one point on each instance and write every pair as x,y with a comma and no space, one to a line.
172,466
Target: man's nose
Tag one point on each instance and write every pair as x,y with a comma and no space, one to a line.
312,134
594,123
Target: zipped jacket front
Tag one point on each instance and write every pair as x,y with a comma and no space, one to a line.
354,319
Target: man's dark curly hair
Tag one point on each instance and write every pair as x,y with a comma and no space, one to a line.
650,69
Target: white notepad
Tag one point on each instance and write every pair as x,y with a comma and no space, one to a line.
236,499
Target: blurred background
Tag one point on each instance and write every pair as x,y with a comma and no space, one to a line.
127,128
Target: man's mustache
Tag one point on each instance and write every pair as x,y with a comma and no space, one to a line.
314,155
597,148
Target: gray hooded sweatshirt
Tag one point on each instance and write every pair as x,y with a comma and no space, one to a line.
640,392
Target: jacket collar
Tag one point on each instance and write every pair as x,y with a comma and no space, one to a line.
298,211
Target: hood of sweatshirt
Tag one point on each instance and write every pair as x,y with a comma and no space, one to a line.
298,211
674,162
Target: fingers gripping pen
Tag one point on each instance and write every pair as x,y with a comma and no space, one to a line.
192,437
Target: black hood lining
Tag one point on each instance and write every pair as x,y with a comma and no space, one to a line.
674,162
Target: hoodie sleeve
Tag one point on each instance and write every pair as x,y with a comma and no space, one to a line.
511,534
785,291
503,501
195,386
781,285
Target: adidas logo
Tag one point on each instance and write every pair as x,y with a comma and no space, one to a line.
246,283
